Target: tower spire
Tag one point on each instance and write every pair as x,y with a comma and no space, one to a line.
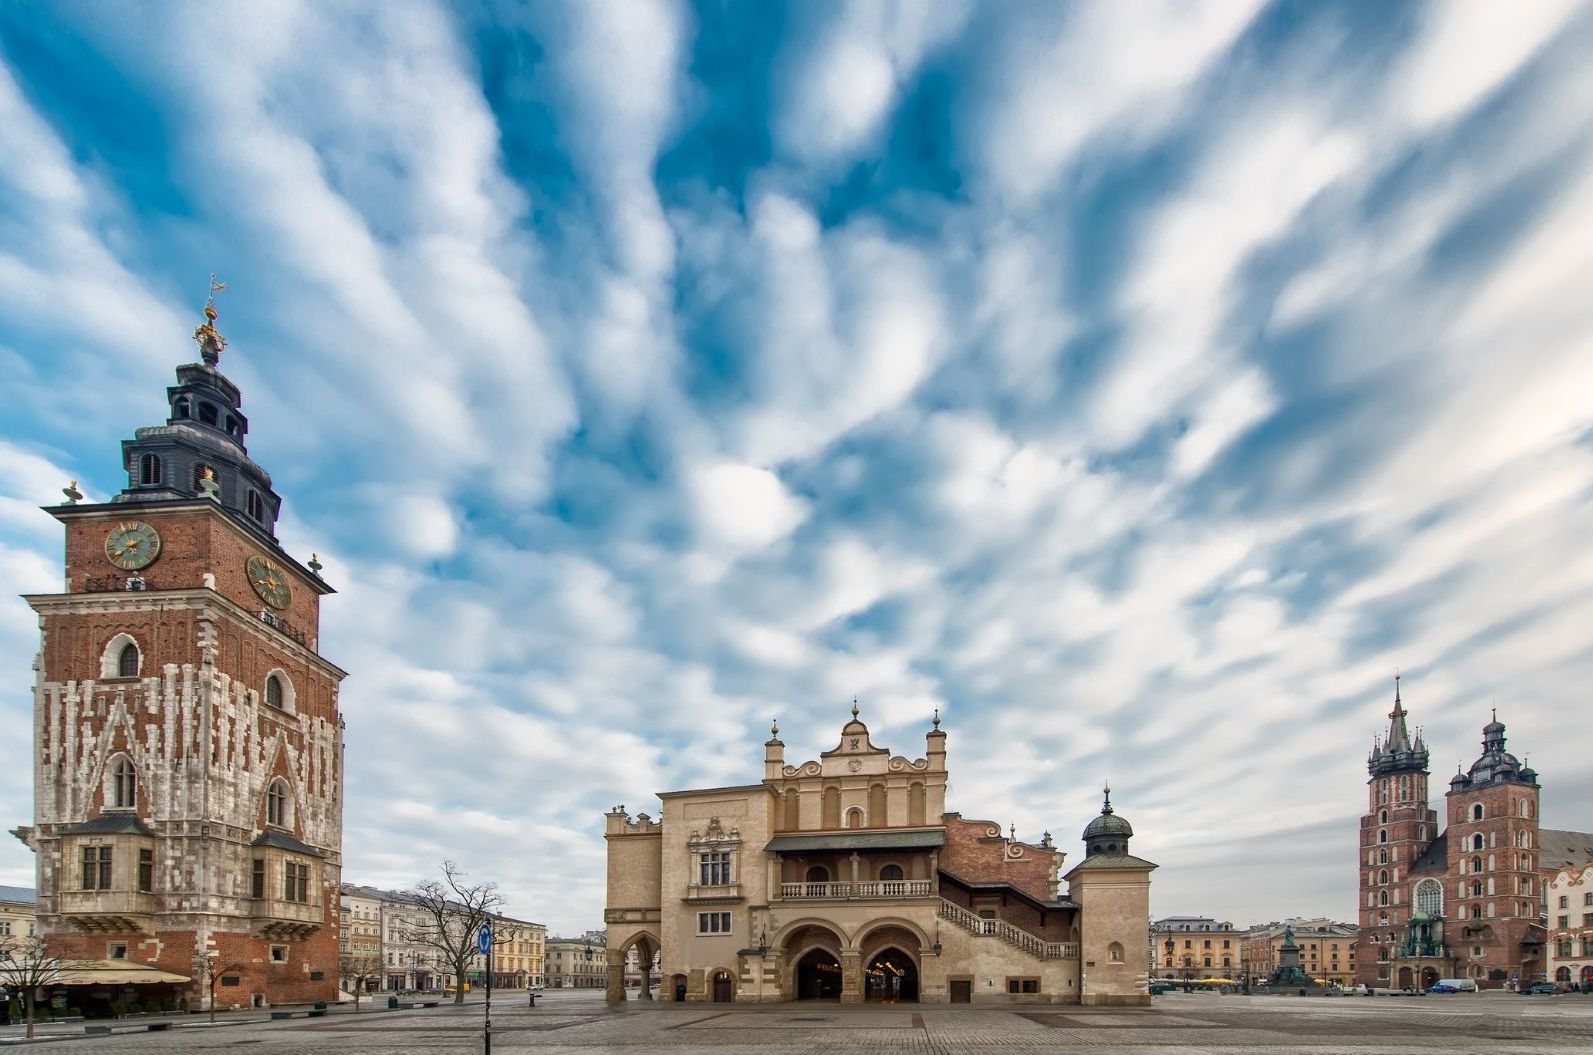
211,342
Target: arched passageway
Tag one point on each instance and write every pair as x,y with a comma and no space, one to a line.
818,976
891,976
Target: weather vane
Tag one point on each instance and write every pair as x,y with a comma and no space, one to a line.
211,342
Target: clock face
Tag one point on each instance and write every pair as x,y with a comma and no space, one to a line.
269,581
132,545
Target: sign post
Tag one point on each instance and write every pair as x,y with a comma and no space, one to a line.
484,944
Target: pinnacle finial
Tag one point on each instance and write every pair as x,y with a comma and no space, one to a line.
1012,832
935,721
73,495
774,728
211,342
1106,791
315,565
854,706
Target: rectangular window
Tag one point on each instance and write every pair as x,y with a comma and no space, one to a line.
715,869
117,951
1565,921
1563,900
257,880
146,871
713,923
1587,919
96,868
279,954
1014,985
295,882
5,928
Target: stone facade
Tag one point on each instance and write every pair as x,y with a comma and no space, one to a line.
576,963
845,877
188,771
1464,900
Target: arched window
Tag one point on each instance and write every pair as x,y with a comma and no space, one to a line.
817,874
149,469
1476,811
277,804
832,807
1382,817
273,692
916,807
854,818
793,810
1476,841
180,409
1382,898
1476,864
890,873
124,783
1476,912
254,508
1114,952
127,661
1382,857
1430,897
1382,877
1382,835
1476,888
876,806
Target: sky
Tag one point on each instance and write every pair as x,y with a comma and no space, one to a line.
1139,384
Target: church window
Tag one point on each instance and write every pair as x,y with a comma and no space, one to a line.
1476,888
149,469
207,413
254,507
1382,898
714,869
1382,877
146,871
1476,841
127,661
1404,789
96,868
1476,864
1430,897
257,878
1476,811
1382,835
891,873
124,783
1382,856
1382,817
273,692
277,803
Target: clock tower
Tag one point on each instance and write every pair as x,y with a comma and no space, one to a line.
188,758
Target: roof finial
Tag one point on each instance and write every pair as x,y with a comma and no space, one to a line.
936,720
73,495
315,565
211,342
854,706
1012,833
774,728
1106,807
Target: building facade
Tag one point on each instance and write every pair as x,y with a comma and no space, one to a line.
188,763
18,915
1570,903
1461,900
1195,947
1327,949
576,963
360,937
845,877
519,952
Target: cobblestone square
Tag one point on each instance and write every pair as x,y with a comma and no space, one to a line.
1205,1024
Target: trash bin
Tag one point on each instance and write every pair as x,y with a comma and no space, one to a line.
392,1003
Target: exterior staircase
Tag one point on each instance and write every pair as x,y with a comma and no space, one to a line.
1001,930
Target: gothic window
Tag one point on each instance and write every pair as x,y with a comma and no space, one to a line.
1382,817
1382,898
273,693
1476,841
124,783
149,469
1382,856
1404,789
277,812
127,661
1382,877
254,508
1476,888
1476,912
1430,897
1476,864
1476,811
1382,835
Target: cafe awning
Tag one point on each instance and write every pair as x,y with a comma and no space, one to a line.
113,972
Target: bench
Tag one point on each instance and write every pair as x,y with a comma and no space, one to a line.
312,1013
109,1029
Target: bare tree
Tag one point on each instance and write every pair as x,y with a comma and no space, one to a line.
451,912
210,970
359,968
26,965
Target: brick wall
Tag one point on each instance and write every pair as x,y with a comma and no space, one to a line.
979,852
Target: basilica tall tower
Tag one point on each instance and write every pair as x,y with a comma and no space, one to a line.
188,762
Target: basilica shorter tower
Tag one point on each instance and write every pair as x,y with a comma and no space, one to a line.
188,762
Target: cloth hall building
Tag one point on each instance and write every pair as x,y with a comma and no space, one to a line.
1463,899
845,878
188,747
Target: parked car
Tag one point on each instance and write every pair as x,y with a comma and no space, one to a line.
1541,989
1441,987
1157,988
